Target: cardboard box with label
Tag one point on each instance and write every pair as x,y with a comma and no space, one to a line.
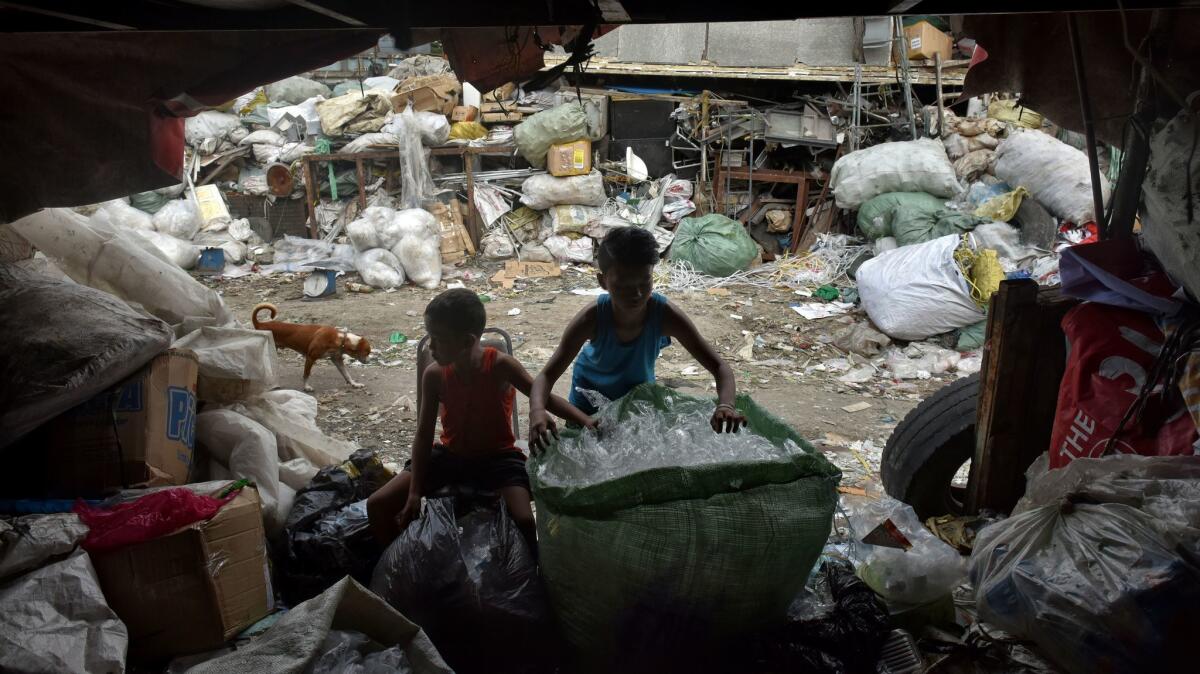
464,113
152,414
431,93
194,589
923,41
570,159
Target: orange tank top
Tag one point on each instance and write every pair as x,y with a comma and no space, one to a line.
477,415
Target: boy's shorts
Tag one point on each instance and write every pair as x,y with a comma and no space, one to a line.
491,472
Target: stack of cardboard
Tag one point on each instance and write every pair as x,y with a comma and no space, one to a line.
431,93
456,241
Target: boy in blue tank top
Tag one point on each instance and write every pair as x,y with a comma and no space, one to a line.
615,342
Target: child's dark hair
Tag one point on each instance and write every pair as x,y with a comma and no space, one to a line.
459,310
632,246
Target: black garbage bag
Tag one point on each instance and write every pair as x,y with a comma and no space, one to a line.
327,534
469,579
846,638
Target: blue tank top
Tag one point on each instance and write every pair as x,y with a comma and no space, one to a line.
612,367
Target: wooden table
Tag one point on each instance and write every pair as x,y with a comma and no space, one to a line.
798,178
469,154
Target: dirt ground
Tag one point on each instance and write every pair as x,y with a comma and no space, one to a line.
786,374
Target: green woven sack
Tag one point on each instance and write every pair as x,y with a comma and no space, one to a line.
875,217
714,245
681,555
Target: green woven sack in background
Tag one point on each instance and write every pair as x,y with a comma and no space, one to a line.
713,244
669,557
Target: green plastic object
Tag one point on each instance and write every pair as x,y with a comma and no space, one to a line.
561,124
972,337
909,226
729,544
714,245
397,337
827,293
150,202
875,216
485,298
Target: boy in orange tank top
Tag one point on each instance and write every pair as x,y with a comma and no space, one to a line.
473,389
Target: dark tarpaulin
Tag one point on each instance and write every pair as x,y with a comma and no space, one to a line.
95,116
1031,54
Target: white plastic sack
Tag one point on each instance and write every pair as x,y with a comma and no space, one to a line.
917,291
263,137
27,542
542,191
118,212
266,154
1056,174
906,166
378,267
929,570
238,134
248,450
291,152
240,229
368,141
421,257
572,219
209,124
182,254
496,246
381,82
295,90
363,235
567,250
297,473
179,218
306,110
235,251
533,251
118,262
55,619
235,364
416,222
292,417
435,128
1005,240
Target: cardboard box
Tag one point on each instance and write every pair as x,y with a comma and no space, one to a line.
456,241
501,93
194,589
498,117
464,113
923,41
431,93
155,412
570,159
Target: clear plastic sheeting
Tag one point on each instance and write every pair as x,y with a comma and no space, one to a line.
619,448
542,191
27,542
416,182
1098,568
64,343
182,254
293,253
380,268
925,572
235,364
471,582
352,653
296,640
55,619
117,262
118,212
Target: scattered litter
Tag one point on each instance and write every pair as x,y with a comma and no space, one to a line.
814,311
589,292
514,312
856,407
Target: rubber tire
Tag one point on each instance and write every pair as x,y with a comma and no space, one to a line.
929,446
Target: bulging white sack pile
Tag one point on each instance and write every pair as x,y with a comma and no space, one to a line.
397,245
907,166
1056,174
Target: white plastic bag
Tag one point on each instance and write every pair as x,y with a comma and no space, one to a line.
292,416
240,229
263,137
421,257
369,140
248,450
297,473
363,235
235,251
118,262
235,364
306,110
567,250
927,571
542,191
181,253
291,152
295,90
905,166
533,251
179,218
119,212
209,124
408,222
378,267
266,154
917,291
496,246
434,128
1056,174
1170,234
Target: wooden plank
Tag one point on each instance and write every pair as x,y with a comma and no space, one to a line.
310,197
801,214
362,184
1023,361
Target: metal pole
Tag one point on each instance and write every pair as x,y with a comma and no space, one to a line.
1089,129
908,104
937,62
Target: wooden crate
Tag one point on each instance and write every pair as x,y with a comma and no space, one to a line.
456,242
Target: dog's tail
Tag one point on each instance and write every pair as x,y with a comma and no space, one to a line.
265,305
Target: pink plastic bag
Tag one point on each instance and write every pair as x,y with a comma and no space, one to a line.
153,515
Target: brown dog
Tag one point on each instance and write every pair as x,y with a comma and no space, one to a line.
315,342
